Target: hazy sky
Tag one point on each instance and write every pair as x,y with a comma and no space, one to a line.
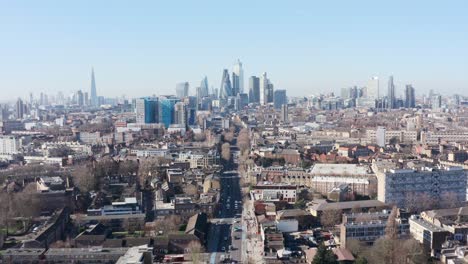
145,47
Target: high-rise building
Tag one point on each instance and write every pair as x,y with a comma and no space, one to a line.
226,87
180,114
372,88
284,113
204,91
410,99
436,101
280,98
146,110
94,97
391,93
266,89
79,98
182,89
19,109
254,89
237,78
166,110
270,93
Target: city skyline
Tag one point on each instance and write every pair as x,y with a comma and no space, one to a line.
306,48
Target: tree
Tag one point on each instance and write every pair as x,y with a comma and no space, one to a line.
84,178
195,249
361,260
149,168
391,230
167,225
243,140
226,151
228,136
324,256
449,200
331,217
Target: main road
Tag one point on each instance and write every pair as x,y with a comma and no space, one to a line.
225,233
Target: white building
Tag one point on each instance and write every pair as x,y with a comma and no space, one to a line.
9,145
395,184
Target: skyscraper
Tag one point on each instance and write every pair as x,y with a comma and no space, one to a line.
280,98
166,110
226,88
182,89
180,114
254,89
19,109
265,89
146,110
391,93
94,97
284,113
410,99
372,88
237,78
204,91
436,102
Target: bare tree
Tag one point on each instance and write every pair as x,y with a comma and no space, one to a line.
449,200
195,249
391,230
226,151
149,168
228,136
167,225
84,178
331,217
243,140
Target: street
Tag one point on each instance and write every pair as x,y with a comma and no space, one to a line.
225,236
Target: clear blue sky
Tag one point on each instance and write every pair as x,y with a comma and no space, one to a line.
141,48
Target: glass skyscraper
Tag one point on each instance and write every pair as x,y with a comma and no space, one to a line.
166,110
280,98
146,110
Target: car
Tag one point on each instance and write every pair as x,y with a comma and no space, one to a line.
225,238
223,249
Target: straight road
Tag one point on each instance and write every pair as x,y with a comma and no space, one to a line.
225,237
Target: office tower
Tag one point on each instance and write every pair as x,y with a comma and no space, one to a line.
191,107
182,90
180,114
237,78
204,91
372,88
86,98
146,110
270,91
254,89
94,97
391,93
19,109
166,110
226,88
436,102
280,98
345,93
79,98
410,99
31,98
284,113
265,88
243,99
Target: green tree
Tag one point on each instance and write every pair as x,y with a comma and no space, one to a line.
361,260
324,256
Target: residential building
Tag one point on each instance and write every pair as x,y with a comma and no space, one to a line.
397,181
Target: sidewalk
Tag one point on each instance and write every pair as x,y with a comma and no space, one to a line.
251,240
